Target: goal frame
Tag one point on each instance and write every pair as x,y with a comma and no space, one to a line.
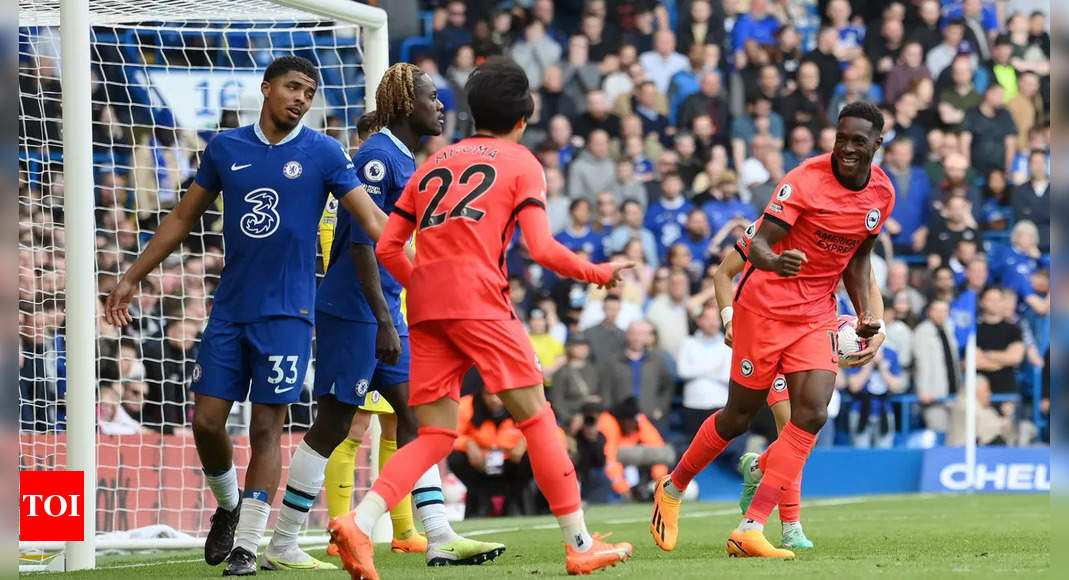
78,206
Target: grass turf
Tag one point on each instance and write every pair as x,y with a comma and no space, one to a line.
892,536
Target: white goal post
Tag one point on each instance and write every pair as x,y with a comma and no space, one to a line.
78,22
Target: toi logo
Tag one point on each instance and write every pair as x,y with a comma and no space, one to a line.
51,506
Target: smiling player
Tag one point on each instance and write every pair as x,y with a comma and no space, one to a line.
819,227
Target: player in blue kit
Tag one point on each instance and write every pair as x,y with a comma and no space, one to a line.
362,338
274,176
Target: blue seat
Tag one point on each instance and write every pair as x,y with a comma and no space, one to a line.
424,41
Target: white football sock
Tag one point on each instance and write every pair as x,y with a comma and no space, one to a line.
755,469
747,525
252,520
791,526
673,491
368,512
430,504
224,487
303,484
573,526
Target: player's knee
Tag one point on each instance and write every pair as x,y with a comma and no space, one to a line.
264,432
810,418
207,425
731,423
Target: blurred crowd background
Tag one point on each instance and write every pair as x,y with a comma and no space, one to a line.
663,129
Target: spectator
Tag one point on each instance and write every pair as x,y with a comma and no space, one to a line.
171,365
999,346
111,416
992,428
704,363
560,134
663,61
598,116
956,177
549,350
947,229
580,75
586,448
954,102
632,442
157,176
554,100
558,206
690,164
602,39
995,142
758,24
667,216
952,47
576,383
1025,107
1038,140
979,21
704,59
698,27
450,33
885,48
645,104
1031,200
1037,32
908,221
642,371
759,118
608,216
824,57
927,31
578,236
490,457
1013,267
770,85
631,228
628,187
801,147
871,418
668,313
898,281
936,365
537,52
908,69
133,398
805,107
592,170
857,86
851,35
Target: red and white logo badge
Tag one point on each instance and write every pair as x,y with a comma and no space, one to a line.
51,506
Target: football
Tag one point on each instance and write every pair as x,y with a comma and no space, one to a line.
849,341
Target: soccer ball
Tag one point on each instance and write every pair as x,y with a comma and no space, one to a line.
849,341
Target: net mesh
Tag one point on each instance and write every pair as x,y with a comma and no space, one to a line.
167,76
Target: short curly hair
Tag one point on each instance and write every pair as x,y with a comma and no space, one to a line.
866,111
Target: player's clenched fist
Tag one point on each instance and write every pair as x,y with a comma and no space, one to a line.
618,267
790,262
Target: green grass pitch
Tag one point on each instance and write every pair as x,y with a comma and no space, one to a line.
916,536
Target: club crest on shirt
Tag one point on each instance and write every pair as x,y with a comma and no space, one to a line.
746,367
751,230
375,170
196,373
361,388
785,192
292,169
872,219
538,362
779,384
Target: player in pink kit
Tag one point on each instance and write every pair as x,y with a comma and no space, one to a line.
819,227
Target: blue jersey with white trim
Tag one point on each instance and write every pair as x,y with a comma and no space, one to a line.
384,164
273,198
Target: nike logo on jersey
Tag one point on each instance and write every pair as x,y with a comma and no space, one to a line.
279,391
236,167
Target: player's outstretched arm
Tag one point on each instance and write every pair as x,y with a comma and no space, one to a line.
553,255
788,263
729,268
367,213
173,229
387,341
391,247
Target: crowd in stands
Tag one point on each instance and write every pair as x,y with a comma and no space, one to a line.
663,129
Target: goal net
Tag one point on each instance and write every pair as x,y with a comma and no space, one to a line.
165,78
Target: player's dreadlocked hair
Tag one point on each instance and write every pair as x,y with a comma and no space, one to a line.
285,64
866,111
396,93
